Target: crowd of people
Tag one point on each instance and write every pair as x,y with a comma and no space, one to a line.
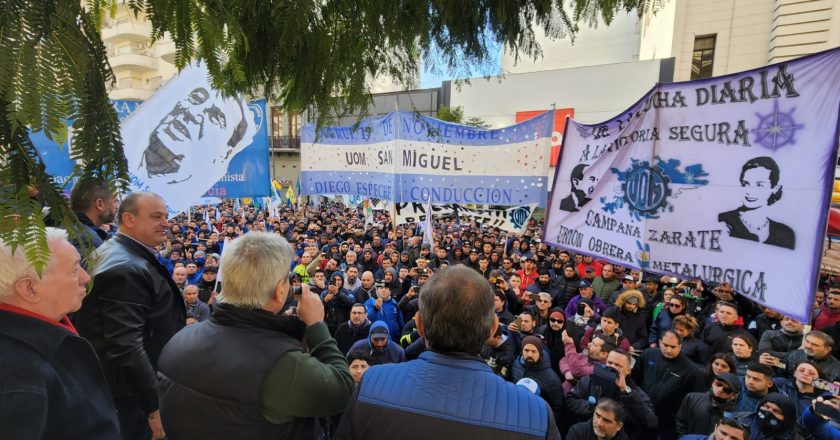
587,349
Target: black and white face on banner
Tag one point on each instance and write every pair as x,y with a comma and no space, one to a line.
725,179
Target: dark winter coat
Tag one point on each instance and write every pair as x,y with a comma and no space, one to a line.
132,311
51,384
551,387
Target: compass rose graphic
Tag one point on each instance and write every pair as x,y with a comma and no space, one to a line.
775,130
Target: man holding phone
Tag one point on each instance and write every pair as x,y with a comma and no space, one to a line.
283,387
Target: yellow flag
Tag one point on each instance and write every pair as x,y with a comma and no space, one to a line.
290,194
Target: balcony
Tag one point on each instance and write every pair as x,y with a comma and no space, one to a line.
131,88
285,143
165,49
133,58
132,30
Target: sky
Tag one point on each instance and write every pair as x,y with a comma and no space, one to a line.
430,79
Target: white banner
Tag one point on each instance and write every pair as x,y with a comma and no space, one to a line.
405,157
511,219
725,179
181,141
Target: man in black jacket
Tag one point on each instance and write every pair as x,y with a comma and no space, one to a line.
51,384
718,335
132,311
700,412
607,423
533,364
579,401
356,329
667,376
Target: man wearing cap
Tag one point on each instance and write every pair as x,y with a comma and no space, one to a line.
700,412
585,293
528,273
207,285
533,364
384,308
379,346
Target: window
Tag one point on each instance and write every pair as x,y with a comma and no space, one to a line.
704,57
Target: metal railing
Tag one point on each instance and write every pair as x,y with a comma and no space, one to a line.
285,142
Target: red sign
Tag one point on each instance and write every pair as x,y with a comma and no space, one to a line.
560,115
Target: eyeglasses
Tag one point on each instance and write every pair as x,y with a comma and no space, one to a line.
677,305
557,321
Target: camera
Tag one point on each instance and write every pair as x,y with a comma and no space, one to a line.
296,290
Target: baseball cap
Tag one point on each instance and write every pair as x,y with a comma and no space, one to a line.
633,299
731,380
629,278
379,332
584,284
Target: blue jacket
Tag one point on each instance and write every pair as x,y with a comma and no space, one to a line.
392,352
443,396
389,313
820,428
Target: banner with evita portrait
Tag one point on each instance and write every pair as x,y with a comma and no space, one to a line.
725,179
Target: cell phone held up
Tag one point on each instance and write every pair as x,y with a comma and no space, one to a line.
825,385
826,410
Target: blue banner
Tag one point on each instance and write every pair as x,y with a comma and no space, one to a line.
247,176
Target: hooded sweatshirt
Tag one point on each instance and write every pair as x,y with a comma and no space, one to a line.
391,353
764,426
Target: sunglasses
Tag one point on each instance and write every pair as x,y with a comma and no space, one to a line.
674,305
724,387
543,301
555,320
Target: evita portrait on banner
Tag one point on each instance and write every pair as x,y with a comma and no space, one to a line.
725,179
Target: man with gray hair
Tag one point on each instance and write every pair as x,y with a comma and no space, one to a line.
256,380
51,384
133,309
448,392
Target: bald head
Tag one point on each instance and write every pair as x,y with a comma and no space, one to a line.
367,279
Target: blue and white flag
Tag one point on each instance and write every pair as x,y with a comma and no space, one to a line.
428,227
405,157
182,140
725,179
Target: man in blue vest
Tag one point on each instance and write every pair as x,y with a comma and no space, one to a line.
448,392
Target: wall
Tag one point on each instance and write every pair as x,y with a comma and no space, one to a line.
801,27
656,31
603,44
742,28
596,93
